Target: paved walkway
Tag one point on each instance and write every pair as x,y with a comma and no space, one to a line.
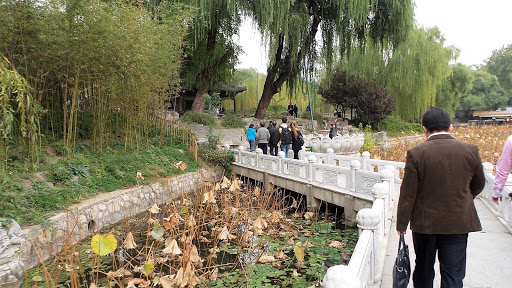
489,254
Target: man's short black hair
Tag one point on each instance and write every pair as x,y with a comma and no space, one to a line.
284,119
436,119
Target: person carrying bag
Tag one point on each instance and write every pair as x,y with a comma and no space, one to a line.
402,268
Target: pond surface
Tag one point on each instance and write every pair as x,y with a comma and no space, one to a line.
225,236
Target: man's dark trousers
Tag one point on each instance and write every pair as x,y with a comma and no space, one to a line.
451,250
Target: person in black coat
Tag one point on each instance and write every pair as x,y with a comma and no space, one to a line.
274,139
296,143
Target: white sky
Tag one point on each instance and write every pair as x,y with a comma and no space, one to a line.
475,27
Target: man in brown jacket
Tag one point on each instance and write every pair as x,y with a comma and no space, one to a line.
442,177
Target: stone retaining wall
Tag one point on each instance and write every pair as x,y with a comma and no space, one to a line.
21,250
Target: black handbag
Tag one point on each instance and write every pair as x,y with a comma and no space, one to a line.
402,268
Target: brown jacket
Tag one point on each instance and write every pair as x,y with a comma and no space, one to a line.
442,177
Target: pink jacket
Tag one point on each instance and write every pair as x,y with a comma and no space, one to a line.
503,168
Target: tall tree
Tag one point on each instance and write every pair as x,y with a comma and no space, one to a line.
291,27
500,65
486,93
411,71
211,52
370,101
450,91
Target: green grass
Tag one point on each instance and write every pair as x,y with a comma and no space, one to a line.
395,126
27,198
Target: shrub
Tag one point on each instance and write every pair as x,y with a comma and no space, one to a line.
370,144
194,117
231,120
396,126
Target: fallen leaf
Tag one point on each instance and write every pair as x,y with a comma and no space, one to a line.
307,244
345,256
148,268
256,191
194,255
129,242
224,234
180,166
213,275
168,281
299,252
191,221
154,209
135,281
266,259
337,244
138,176
294,204
225,183
308,215
260,223
290,241
172,248
171,221
278,265
235,186
93,285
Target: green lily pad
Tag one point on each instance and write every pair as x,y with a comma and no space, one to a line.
103,244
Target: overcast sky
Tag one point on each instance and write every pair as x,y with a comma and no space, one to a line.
476,27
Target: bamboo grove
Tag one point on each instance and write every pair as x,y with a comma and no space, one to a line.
100,69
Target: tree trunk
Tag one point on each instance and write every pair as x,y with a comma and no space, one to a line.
198,104
272,87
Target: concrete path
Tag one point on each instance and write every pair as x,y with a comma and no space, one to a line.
489,254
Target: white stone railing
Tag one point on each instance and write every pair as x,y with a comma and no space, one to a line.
503,210
316,171
367,261
340,144
367,164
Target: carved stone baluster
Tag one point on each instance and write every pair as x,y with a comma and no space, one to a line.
369,219
354,166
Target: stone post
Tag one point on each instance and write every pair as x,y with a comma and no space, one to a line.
366,157
311,160
369,219
302,153
280,155
330,153
354,166
240,150
387,176
259,152
380,191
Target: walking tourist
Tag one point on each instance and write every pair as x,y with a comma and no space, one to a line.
251,136
333,131
262,137
274,139
442,177
289,109
297,141
503,168
295,111
285,134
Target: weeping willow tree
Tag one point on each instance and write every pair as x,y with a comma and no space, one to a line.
412,70
291,28
210,52
19,119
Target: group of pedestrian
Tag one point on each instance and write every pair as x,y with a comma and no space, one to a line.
285,136
292,110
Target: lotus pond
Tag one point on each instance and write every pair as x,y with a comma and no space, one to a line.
223,235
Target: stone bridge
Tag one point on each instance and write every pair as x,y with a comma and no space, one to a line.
367,189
